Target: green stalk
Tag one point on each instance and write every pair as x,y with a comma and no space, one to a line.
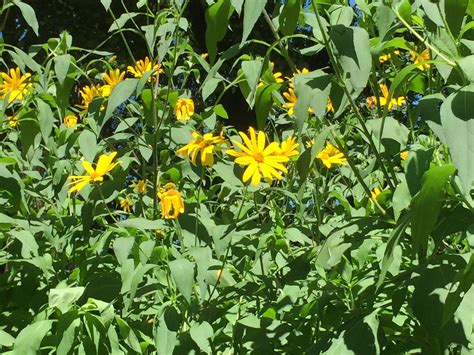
354,107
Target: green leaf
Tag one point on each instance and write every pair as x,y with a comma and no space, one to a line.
106,4
182,271
46,119
289,16
252,11
63,298
122,247
29,246
352,49
119,94
457,119
252,70
201,333
141,223
455,11
88,145
217,19
29,340
417,163
393,241
263,104
6,339
426,205
61,67
463,281
28,14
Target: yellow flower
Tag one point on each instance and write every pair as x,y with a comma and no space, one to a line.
70,120
184,109
89,93
14,86
13,121
404,154
289,147
375,193
331,156
399,101
330,106
170,201
104,165
206,144
143,66
112,79
159,233
386,57
126,203
421,58
260,160
290,96
204,55
140,186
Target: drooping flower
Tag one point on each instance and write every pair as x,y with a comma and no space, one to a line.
260,160
387,56
140,186
171,202
207,145
383,100
184,109
289,147
70,120
277,77
330,156
375,193
126,204
143,66
112,78
89,93
14,86
421,59
104,166
13,121
330,106
404,154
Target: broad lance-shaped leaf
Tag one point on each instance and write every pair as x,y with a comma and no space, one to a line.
217,19
352,49
426,205
252,11
182,271
457,119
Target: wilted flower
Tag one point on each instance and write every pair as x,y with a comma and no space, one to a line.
184,109
206,144
330,106
375,193
140,186
404,154
13,121
330,156
112,79
104,165
126,203
421,59
386,57
261,160
70,120
383,100
143,66
14,86
170,201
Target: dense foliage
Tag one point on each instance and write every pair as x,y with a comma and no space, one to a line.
165,199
